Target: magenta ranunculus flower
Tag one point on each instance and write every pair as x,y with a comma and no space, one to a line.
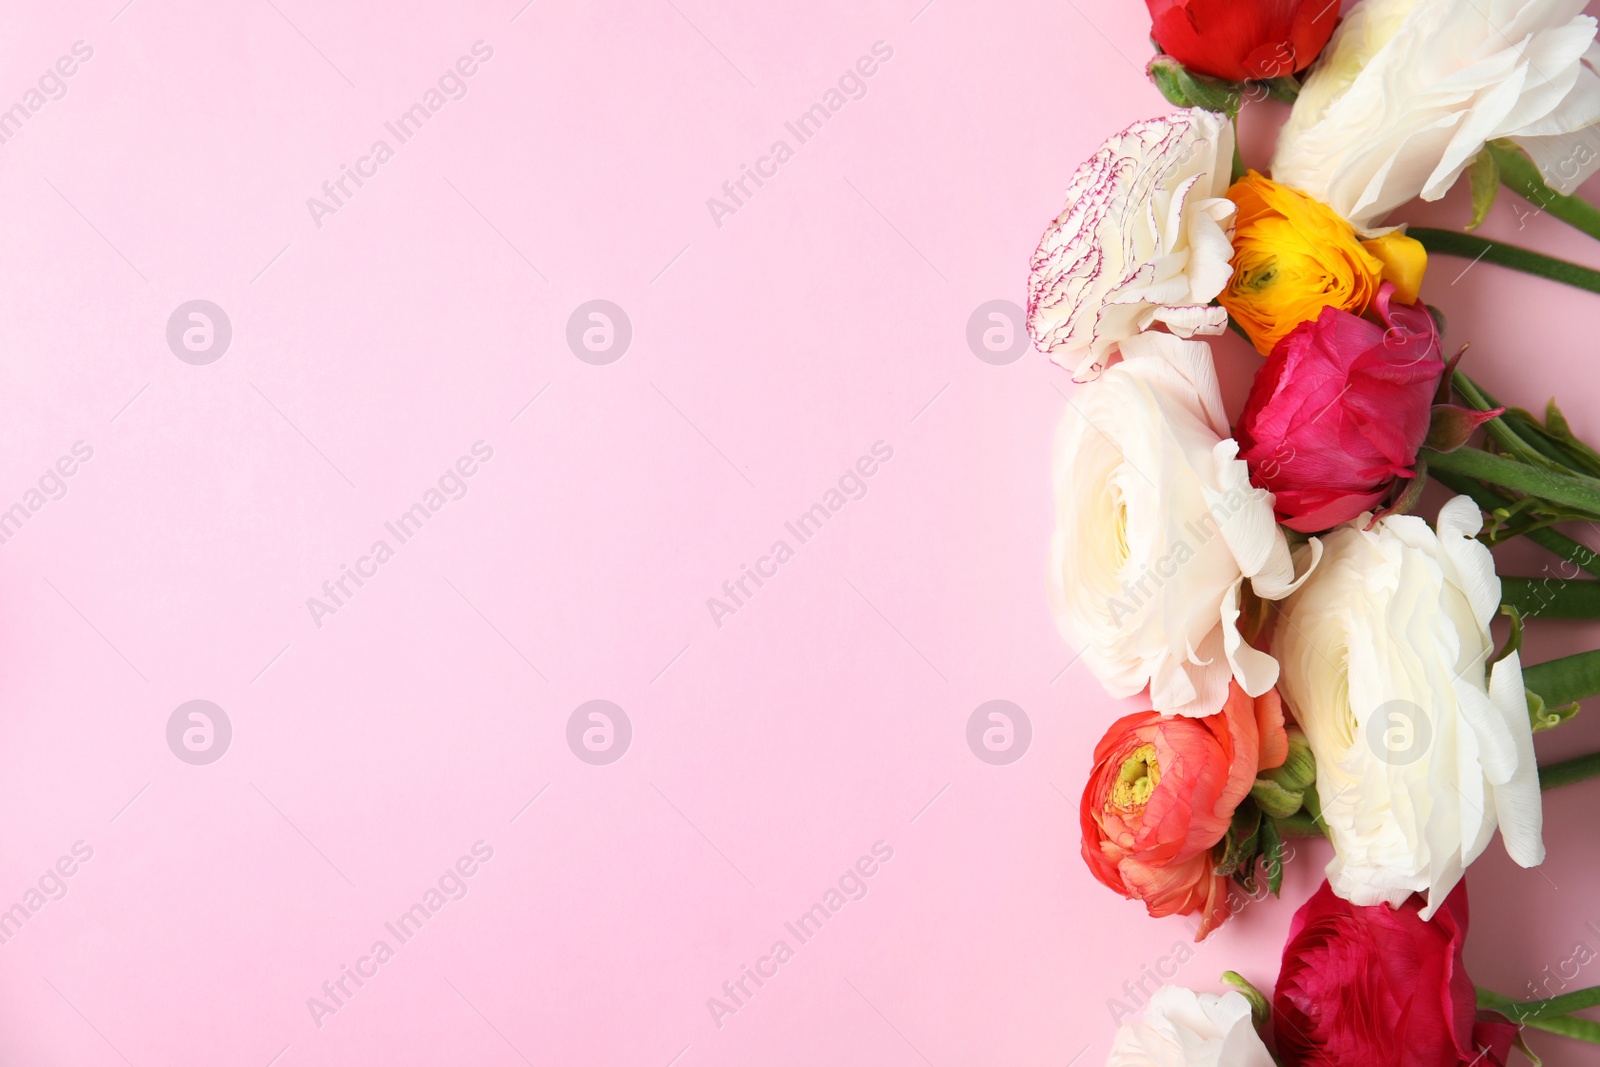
1366,986
1339,410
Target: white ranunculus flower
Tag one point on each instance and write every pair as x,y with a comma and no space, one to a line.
1182,1028
1422,745
1157,527
1408,91
1144,238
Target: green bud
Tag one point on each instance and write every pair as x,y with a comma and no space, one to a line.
1300,769
1260,1011
1166,72
1274,799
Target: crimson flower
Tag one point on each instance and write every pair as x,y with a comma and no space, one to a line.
1380,985
1239,40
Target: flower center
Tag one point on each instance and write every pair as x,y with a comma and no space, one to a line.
1137,779
1258,280
1119,533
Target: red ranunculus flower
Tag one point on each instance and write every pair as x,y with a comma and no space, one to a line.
1237,40
1162,793
1339,410
1367,986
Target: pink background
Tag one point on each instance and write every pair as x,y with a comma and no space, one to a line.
768,354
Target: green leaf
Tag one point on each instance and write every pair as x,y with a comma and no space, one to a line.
1286,89
1484,176
1211,93
1521,176
1514,639
1272,855
1554,421
1575,492
1274,800
1239,843
1485,183
1560,453
1260,1010
1557,428
1545,717
1578,555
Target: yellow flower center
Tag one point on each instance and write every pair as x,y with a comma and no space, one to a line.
1137,779
1258,280
1120,533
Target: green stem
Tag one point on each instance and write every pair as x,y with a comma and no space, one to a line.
1568,1026
1552,598
1564,680
1519,433
1564,1025
1300,824
1519,174
1528,1010
1527,529
1470,246
1575,552
1577,492
1530,448
1568,771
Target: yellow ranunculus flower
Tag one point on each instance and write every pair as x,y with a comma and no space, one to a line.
1292,257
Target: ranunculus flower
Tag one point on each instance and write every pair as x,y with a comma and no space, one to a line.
1143,240
1182,1028
1338,411
1293,256
1422,746
1408,92
1157,527
1162,793
1239,40
1366,986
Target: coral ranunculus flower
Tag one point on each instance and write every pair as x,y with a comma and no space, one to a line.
1292,257
1338,411
1239,40
1162,793
1381,985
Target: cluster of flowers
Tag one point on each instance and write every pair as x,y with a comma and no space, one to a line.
1316,659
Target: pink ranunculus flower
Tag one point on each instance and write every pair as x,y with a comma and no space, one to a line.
1339,410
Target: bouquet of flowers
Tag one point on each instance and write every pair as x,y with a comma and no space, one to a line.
1317,658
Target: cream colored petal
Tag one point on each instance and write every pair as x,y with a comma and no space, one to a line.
1518,801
